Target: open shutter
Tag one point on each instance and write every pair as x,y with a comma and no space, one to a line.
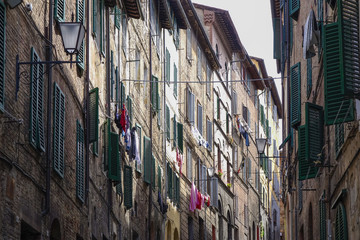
40,109
128,187
59,10
209,133
153,172
294,8
175,80
218,108
107,144
177,197
114,161
180,137
147,160
199,119
314,135
306,168
276,34
167,114
122,94
117,17
80,17
94,115
80,162
2,54
337,109
167,64
295,75
129,109
59,130
174,132
138,131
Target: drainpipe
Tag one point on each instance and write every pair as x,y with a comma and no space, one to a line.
150,128
48,124
108,113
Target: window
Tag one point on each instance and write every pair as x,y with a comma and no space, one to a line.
2,54
155,26
128,187
188,44
189,164
245,113
37,137
294,7
198,65
124,39
295,79
59,130
80,17
209,136
190,106
167,64
199,119
59,10
98,24
80,162
341,232
190,228
114,157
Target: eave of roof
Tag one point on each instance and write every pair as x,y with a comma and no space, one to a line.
133,8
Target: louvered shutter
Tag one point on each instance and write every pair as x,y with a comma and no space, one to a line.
339,137
167,64
218,108
169,181
322,211
59,130
159,178
188,44
40,118
107,144
154,94
94,115
190,106
117,82
117,17
209,133
80,17
2,54
147,160
294,8
114,160
295,76
199,119
122,94
175,80
128,187
138,131
174,186
337,109
94,15
314,135
180,137
306,168
262,115
167,114
59,10
80,162
341,232
153,172
129,109
198,65
276,29
227,122
175,134
177,191
204,178
95,148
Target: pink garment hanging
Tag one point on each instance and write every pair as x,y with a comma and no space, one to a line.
179,160
193,194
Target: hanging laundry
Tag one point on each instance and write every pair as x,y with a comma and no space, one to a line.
311,36
193,196
163,206
137,151
128,140
179,159
117,116
199,200
199,138
132,147
123,118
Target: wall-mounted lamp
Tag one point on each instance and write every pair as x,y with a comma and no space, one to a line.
260,145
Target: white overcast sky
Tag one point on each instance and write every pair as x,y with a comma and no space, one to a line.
253,21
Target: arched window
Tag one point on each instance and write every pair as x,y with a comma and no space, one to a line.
341,223
55,233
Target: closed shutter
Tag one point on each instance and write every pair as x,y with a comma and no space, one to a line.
128,187
208,80
262,115
314,135
167,64
188,44
209,133
59,130
322,210
276,29
294,8
236,210
295,75
117,82
189,164
306,168
308,76
227,122
204,179
80,162
341,223
94,15
155,101
337,109
2,54
37,137
175,80
218,108
80,17
107,144
174,186
199,119
180,137
114,160
59,10
174,132
167,114
129,109
94,115
147,160
190,106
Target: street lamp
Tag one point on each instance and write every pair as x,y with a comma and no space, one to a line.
211,171
260,145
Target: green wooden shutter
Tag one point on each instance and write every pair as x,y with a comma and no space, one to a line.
174,186
348,11
147,160
80,17
218,107
309,76
341,232
276,34
155,101
175,132
177,194
199,119
80,162
117,82
94,15
129,109
167,64
306,168
339,137
2,54
262,115
180,137
294,8
167,113
175,80
128,187
107,144
337,109
94,115
159,178
114,160
59,130
314,135
322,211
227,122
153,172
95,148
295,75
40,109
102,27
59,10
117,17
169,181
122,94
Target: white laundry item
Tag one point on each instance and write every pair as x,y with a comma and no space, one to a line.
311,36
